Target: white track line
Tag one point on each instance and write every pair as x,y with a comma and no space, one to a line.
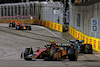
54,34
96,55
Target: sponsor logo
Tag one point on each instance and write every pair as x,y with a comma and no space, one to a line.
94,43
55,26
91,41
48,24
44,24
51,25
78,35
99,45
59,27
73,32
81,36
69,29
86,39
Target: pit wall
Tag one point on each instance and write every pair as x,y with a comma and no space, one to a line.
95,42
48,24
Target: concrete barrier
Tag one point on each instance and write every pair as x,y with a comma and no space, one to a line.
81,18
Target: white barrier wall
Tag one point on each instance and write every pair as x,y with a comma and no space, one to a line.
47,11
85,13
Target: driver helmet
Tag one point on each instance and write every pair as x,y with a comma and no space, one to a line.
52,41
76,42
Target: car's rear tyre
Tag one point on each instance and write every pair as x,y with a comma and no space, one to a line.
17,27
52,52
29,27
88,49
72,54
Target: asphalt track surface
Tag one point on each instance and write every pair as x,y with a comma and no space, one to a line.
13,42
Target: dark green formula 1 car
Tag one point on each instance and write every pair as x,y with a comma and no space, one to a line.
82,48
86,48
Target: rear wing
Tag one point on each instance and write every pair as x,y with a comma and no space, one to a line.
61,45
73,41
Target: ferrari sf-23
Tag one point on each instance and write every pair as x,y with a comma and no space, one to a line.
53,51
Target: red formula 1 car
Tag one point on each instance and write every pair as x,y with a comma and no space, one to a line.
53,52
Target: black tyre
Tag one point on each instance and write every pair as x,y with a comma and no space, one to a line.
27,52
29,28
72,54
88,49
17,27
71,51
52,52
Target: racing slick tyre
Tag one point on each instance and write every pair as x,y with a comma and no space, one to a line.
52,52
17,27
27,52
29,28
88,49
72,54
